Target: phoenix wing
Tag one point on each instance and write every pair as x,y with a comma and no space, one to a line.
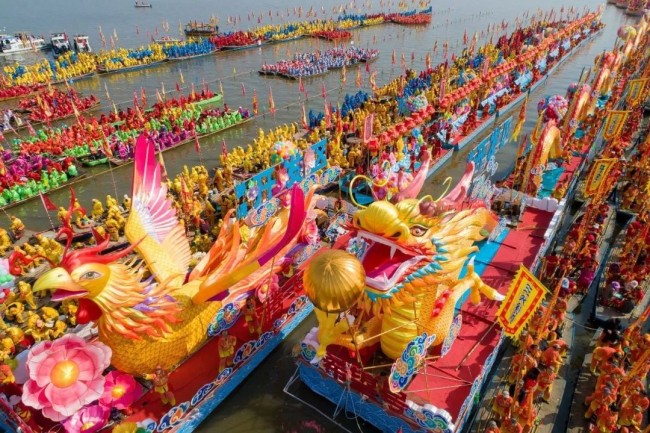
152,223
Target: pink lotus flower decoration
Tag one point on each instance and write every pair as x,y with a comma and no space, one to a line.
120,390
88,420
65,375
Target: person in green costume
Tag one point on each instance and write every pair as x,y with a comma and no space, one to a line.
15,194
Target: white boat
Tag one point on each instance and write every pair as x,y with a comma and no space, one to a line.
142,4
60,44
21,42
82,44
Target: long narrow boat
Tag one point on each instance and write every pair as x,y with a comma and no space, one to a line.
101,69
120,162
71,181
195,56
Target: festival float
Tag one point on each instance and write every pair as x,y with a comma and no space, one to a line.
594,132
148,326
391,259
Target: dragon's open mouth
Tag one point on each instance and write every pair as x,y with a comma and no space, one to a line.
386,262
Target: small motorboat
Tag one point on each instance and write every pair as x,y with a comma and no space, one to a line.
21,42
82,44
140,4
60,44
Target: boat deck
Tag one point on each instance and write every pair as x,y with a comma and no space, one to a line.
497,263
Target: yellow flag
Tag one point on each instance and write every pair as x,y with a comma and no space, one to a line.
614,123
635,90
525,294
598,175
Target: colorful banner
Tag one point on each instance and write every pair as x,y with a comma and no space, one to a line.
524,296
635,91
614,124
598,175
367,127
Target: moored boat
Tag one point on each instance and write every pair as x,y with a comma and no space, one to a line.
142,4
82,44
60,44
20,43
93,161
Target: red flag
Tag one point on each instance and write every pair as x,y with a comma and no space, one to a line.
367,127
358,82
301,86
197,145
178,87
305,125
143,97
243,89
328,115
323,91
486,66
255,103
393,59
271,102
443,85
224,149
367,66
47,203
135,98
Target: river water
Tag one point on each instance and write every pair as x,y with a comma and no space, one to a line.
259,404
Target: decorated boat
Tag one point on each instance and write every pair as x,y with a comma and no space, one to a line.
377,366
201,30
243,320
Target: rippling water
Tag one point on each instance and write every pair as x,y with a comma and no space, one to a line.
259,405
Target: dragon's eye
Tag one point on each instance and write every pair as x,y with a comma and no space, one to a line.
90,275
418,230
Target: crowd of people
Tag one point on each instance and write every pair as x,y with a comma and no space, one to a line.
319,62
55,104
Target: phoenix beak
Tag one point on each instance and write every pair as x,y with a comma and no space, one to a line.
60,280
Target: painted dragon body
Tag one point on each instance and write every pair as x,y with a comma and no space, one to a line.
413,253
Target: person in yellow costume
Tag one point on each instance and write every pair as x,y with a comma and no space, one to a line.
113,229
5,241
110,202
25,294
226,344
251,317
98,210
17,227
160,380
